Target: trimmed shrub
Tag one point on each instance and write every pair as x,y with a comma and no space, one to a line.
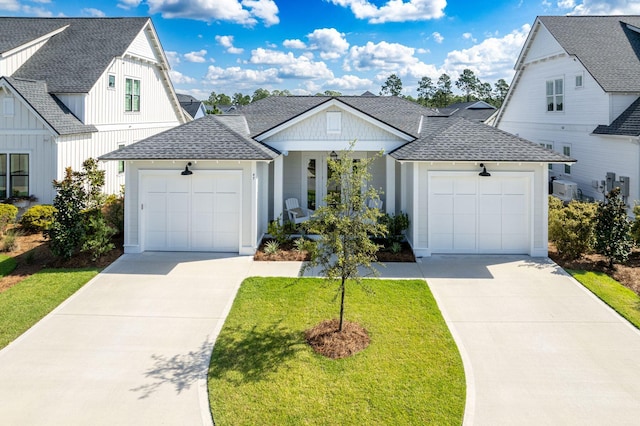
113,212
98,234
635,225
613,238
8,213
278,231
38,218
396,225
572,228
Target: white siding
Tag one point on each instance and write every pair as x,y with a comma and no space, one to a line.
132,201
76,103
9,64
619,103
141,46
543,46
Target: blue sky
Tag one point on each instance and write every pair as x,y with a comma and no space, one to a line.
309,46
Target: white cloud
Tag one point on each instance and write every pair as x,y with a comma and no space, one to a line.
241,78
227,43
329,42
289,65
37,11
294,44
349,82
12,5
469,36
261,56
383,56
437,37
90,11
128,4
197,57
602,7
492,59
395,10
245,12
179,78
422,51
173,57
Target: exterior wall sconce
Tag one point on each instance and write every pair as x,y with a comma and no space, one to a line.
186,171
333,155
483,173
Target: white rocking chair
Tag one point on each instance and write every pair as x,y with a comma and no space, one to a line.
296,215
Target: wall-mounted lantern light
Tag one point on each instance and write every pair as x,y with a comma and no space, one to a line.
186,171
484,171
333,155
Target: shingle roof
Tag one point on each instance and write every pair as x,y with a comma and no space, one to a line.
72,60
50,108
207,138
270,112
608,49
189,104
474,111
627,124
458,139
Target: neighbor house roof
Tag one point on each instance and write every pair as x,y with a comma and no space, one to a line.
50,108
627,124
73,59
211,137
474,111
458,139
607,46
189,104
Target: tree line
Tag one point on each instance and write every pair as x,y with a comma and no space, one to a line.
438,94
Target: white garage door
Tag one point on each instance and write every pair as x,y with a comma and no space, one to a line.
473,214
200,212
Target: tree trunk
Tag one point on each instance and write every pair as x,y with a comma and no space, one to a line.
341,305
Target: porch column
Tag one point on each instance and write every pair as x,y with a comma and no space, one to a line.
277,187
390,190
254,206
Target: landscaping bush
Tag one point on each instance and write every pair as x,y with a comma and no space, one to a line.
113,212
9,240
635,225
97,233
572,228
279,231
396,225
8,213
38,218
612,231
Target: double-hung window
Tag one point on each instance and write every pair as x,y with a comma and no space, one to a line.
555,95
132,95
550,147
566,150
14,175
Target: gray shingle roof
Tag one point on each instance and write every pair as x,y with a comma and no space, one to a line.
458,139
270,112
73,60
207,138
608,49
475,111
627,124
50,108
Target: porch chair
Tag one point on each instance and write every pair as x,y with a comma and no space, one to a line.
296,215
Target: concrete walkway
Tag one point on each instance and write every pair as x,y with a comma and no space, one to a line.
132,347
538,348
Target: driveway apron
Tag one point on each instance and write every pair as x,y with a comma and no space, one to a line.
132,347
538,348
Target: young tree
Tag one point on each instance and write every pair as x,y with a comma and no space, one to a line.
392,86
484,92
260,94
240,99
501,89
346,224
426,89
442,96
613,238
468,83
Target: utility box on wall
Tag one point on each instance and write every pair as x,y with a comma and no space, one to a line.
611,178
623,184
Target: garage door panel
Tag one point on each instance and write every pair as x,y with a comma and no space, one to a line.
490,205
198,212
442,205
514,204
441,186
466,186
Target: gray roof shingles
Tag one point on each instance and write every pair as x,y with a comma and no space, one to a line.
72,60
207,138
52,110
627,124
441,138
608,49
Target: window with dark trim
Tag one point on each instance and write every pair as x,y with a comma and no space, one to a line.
112,81
14,175
132,95
121,163
566,150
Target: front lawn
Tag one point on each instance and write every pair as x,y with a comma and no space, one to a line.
623,300
263,372
24,304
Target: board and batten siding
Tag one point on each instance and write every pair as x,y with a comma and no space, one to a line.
142,46
249,243
10,64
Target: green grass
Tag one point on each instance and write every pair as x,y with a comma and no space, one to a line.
27,302
622,299
263,372
7,265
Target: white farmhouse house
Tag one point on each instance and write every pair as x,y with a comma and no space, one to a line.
74,88
213,184
577,91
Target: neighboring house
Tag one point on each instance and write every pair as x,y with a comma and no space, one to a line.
214,184
577,91
193,107
478,111
74,88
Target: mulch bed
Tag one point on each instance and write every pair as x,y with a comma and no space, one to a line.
325,339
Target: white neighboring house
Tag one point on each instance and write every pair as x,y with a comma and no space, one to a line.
74,88
577,91
214,183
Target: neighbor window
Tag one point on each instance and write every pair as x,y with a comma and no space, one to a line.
566,150
121,163
112,81
548,146
132,95
555,95
14,175
579,82
8,107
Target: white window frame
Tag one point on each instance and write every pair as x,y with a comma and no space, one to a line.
566,150
111,81
581,77
548,145
334,122
129,103
554,94
121,162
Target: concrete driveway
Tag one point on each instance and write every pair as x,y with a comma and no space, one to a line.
538,348
132,347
